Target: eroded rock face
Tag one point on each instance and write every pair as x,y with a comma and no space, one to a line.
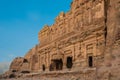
84,43
20,64
16,63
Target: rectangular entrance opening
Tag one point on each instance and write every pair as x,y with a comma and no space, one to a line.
56,65
59,64
69,62
90,61
43,67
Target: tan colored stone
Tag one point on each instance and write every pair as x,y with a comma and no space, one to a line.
84,43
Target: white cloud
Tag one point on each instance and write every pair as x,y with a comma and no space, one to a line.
11,56
4,66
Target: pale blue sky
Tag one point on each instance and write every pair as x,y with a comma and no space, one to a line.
20,22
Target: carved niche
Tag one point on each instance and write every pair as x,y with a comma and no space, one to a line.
89,48
98,9
118,34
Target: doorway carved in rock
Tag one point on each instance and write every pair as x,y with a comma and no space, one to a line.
57,64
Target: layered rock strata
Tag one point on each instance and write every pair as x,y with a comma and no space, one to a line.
86,40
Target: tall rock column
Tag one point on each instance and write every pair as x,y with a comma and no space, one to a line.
112,52
113,27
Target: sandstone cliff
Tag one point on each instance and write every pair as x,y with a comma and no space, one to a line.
84,43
